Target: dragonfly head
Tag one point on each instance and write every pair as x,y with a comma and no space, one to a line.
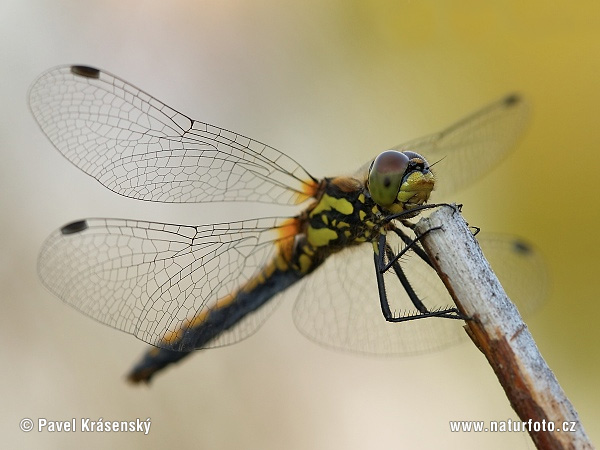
399,181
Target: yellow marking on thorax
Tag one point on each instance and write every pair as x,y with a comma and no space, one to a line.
328,203
320,237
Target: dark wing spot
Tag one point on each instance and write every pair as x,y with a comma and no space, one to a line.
512,100
85,71
521,247
74,227
386,182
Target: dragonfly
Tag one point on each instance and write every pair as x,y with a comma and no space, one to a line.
350,244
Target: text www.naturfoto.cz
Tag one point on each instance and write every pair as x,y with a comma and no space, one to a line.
509,425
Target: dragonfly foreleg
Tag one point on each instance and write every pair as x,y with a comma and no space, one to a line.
413,244
412,212
381,267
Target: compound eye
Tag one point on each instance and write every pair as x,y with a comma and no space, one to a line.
385,176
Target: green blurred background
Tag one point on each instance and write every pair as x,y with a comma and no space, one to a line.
331,84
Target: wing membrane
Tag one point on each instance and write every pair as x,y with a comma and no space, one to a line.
339,306
141,148
148,278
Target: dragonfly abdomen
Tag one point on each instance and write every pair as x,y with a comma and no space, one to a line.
228,311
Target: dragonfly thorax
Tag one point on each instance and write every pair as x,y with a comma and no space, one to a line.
344,215
399,181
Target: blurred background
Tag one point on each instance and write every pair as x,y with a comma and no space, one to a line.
331,84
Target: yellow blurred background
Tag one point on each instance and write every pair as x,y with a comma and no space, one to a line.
331,84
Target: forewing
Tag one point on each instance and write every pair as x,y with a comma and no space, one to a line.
148,278
520,267
471,147
340,308
141,148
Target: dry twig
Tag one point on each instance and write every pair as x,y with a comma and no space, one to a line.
499,332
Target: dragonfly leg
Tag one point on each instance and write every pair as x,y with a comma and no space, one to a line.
412,212
448,313
379,263
381,268
411,244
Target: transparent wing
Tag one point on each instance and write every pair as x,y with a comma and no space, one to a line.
472,146
520,267
141,148
148,278
339,306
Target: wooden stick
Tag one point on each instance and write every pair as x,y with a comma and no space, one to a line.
499,332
